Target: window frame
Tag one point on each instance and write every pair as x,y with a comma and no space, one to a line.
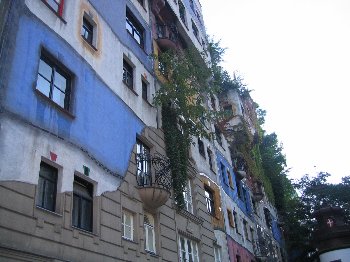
195,30
231,220
89,198
187,194
136,28
92,42
59,10
124,225
210,158
57,68
128,74
144,85
185,250
217,254
210,200
182,12
143,172
201,147
88,28
40,196
151,227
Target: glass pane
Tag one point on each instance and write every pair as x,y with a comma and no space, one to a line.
128,26
58,96
45,69
43,86
150,239
86,214
49,195
137,38
127,231
75,213
60,81
127,219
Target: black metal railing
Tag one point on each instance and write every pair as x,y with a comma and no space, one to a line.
154,171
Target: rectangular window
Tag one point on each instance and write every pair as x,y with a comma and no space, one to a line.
223,168
47,187
229,177
201,147
218,135
128,75
188,250
182,12
82,204
87,31
230,218
134,28
210,159
217,254
238,258
188,197
128,225
143,164
195,30
144,90
56,5
209,197
245,227
234,215
148,224
54,81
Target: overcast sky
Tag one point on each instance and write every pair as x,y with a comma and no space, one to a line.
295,55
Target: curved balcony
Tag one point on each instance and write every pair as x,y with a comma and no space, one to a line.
167,36
153,187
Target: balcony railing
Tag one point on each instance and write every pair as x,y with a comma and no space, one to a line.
167,36
153,179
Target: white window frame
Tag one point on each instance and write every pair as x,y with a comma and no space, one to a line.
131,226
184,249
217,254
188,197
149,226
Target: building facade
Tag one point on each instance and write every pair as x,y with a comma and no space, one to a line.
83,169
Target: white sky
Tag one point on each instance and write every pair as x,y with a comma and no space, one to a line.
295,55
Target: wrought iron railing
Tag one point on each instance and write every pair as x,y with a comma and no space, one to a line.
157,172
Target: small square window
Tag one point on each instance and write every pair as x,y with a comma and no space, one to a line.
134,28
54,81
87,30
128,225
144,90
82,204
47,187
128,74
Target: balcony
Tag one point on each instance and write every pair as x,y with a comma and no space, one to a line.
167,36
153,179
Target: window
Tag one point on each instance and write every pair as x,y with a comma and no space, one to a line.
87,31
239,189
217,254
231,220
54,81
228,111
218,135
47,187
238,258
229,177
182,12
195,30
201,147
128,76
148,224
56,5
192,5
268,219
134,28
223,168
128,225
144,90
82,204
188,197
234,215
245,227
143,164
188,250
209,197
210,158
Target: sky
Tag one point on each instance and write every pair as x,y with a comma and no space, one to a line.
295,56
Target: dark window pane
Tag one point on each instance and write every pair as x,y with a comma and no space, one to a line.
45,70
58,97
75,215
86,218
144,90
47,185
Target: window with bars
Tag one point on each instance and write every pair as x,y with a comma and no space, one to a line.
128,225
188,197
134,28
54,81
148,224
128,74
82,204
188,250
47,187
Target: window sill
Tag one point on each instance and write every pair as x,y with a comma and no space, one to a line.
89,45
129,240
194,218
131,89
48,211
148,103
151,253
54,11
57,106
89,233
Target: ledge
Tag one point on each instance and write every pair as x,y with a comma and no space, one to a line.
194,218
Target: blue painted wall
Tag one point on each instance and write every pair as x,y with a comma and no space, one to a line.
244,205
114,13
103,124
